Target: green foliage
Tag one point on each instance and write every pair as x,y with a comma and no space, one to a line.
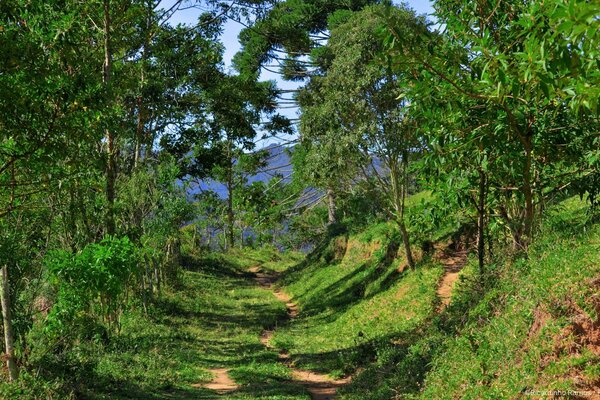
107,112
496,93
90,283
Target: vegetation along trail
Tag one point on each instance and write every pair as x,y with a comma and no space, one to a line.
299,199
320,386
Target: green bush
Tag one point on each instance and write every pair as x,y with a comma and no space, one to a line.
91,285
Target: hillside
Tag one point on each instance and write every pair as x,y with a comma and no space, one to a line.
351,318
531,325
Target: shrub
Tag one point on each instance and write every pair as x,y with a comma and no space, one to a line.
91,285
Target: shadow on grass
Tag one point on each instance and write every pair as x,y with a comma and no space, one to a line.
366,279
214,266
188,331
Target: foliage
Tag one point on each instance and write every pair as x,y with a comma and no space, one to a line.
110,115
498,84
91,283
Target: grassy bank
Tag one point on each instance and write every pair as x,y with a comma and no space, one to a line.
355,293
532,326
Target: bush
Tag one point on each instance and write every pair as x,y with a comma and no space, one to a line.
91,285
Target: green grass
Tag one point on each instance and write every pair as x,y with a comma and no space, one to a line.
360,309
352,297
497,342
213,320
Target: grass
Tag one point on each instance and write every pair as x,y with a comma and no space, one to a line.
528,325
352,296
213,320
515,335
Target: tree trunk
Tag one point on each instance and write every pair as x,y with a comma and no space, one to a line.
11,362
230,189
481,222
230,215
331,208
156,265
143,286
399,188
148,275
111,167
139,132
406,241
528,193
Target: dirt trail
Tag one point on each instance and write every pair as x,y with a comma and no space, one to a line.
221,383
320,386
453,261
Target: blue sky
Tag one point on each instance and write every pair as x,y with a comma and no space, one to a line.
232,28
232,46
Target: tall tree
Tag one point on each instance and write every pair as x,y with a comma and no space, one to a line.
47,83
488,53
361,101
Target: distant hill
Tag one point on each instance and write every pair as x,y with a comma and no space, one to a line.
278,163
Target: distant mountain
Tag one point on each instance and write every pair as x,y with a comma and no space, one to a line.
278,163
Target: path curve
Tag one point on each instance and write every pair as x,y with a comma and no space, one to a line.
320,386
453,261
221,382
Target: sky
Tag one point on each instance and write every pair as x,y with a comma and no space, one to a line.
232,28
232,46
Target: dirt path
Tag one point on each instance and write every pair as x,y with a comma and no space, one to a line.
453,261
221,383
320,386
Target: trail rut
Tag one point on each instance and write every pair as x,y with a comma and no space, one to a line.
453,261
221,382
320,386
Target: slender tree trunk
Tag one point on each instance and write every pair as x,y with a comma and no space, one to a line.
143,286
331,207
528,193
11,361
111,167
230,213
398,193
139,131
230,223
405,238
139,134
148,275
406,242
156,265
481,222
230,189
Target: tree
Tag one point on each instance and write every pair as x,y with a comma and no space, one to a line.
524,62
46,86
66,73
288,38
360,102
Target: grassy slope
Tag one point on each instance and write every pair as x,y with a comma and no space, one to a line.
513,336
361,308
516,349
214,320
352,296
